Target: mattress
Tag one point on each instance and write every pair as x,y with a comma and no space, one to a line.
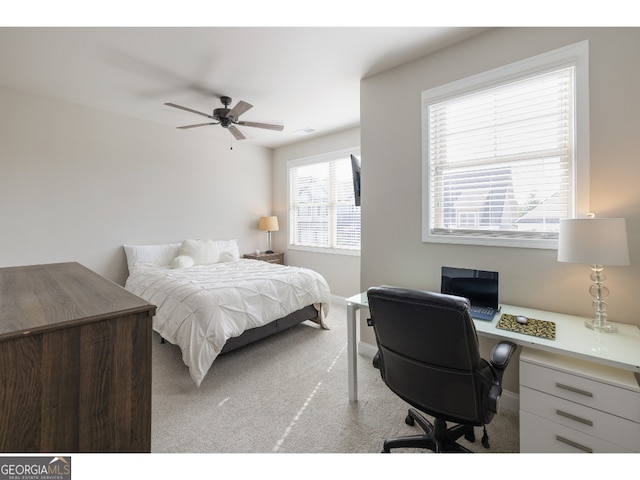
199,308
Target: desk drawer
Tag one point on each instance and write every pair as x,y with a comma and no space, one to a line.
593,422
545,436
585,391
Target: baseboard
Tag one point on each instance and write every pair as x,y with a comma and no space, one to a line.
366,349
338,300
508,401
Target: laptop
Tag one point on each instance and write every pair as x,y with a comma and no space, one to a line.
479,286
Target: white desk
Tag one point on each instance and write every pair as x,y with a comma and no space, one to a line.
620,349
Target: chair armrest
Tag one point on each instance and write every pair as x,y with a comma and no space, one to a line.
376,360
501,354
500,357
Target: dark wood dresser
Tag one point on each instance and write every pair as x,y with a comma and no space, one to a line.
75,362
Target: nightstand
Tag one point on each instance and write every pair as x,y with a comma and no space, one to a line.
267,257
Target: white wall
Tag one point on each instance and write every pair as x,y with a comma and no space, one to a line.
342,272
77,183
392,250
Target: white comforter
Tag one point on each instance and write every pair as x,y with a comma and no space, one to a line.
199,308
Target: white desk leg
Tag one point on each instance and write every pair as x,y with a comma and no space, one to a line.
352,354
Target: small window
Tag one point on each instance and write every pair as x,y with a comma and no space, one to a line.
323,214
505,154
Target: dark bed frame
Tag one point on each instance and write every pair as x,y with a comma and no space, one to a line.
254,334
249,336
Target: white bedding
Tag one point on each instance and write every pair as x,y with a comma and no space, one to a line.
199,308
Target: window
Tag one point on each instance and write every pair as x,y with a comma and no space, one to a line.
505,153
323,215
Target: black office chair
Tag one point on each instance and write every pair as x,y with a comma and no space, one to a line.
428,356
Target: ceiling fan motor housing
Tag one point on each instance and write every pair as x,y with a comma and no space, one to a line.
220,114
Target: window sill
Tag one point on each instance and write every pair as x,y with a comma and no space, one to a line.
330,251
486,241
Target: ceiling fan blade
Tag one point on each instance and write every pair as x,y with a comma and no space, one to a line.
238,110
198,125
236,132
269,126
188,109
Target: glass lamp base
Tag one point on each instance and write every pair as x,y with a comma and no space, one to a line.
599,292
606,327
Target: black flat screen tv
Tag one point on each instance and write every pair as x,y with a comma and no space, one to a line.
355,169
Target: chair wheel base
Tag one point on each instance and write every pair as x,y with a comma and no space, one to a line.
436,437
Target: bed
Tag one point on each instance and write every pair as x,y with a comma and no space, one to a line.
210,301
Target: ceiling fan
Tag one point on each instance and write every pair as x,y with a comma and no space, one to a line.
228,118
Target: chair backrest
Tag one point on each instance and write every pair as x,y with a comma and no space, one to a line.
428,352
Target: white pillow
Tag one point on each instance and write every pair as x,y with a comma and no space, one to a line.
203,252
228,257
182,261
230,247
159,255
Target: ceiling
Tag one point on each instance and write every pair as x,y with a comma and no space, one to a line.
304,77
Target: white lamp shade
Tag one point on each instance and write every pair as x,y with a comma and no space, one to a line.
269,224
594,241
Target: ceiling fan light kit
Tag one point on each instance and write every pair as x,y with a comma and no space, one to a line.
229,118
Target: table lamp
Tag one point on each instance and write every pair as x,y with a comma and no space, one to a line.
268,224
598,242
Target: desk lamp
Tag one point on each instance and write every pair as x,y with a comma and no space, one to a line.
268,224
598,242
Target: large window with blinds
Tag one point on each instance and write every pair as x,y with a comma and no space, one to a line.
506,152
323,215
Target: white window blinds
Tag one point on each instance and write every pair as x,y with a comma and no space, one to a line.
322,211
501,159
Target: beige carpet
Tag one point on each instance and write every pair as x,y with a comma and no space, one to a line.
286,394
